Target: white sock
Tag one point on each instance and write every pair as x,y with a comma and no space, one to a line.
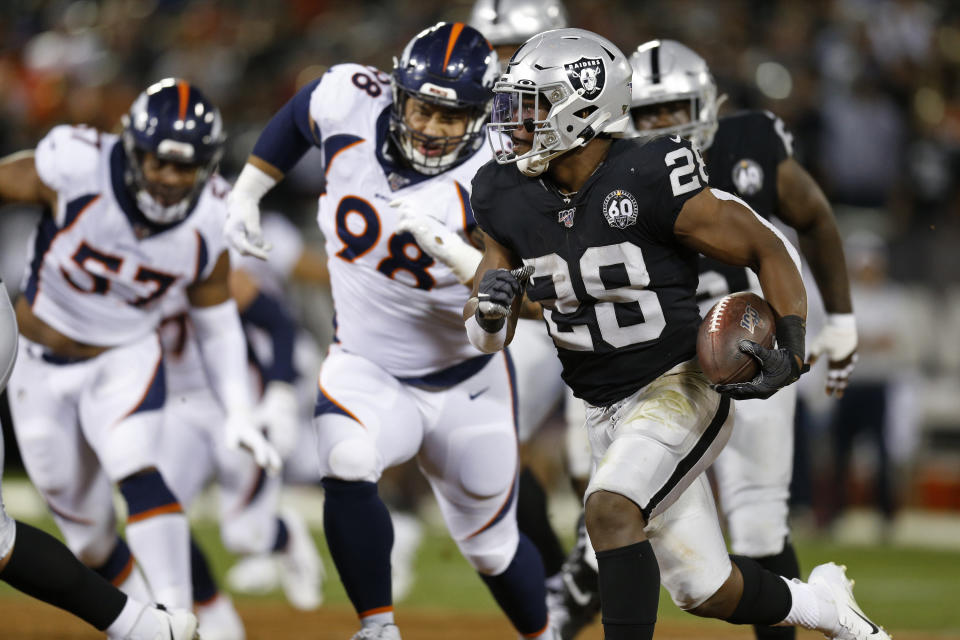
809,609
136,586
124,625
383,618
161,544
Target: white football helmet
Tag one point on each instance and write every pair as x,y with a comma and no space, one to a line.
584,80
667,71
506,22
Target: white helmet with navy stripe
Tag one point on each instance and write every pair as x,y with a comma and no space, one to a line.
667,71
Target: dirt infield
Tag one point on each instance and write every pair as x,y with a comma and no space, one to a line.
24,619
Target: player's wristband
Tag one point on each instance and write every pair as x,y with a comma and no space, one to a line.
253,183
842,321
791,335
486,341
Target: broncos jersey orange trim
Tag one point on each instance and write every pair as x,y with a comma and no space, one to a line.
338,405
338,152
183,90
454,34
84,209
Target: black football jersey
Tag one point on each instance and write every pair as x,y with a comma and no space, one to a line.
743,160
618,289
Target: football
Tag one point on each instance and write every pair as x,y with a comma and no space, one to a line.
736,317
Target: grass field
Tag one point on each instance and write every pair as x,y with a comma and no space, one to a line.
914,593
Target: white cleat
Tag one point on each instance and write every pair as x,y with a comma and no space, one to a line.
254,575
219,620
301,570
831,581
177,624
378,632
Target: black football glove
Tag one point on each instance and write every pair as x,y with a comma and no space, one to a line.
496,293
778,368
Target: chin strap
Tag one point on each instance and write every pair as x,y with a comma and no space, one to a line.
534,166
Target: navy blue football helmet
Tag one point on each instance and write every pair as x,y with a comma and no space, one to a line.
175,122
450,65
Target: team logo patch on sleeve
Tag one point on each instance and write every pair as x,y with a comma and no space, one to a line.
587,74
620,209
747,177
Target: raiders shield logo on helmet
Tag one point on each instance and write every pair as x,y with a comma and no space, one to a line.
587,74
748,177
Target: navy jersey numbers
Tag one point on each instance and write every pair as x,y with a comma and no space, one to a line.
372,83
95,264
358,227
617,310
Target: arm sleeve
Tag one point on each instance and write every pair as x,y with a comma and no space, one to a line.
269,314
290,132
224,351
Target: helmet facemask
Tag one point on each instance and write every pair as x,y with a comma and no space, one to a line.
448,150
564,87
142,189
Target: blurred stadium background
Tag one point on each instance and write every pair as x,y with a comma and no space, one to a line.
871,91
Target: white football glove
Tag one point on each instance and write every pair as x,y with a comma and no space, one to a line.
443,244
242,226
838,340
241,432
279,412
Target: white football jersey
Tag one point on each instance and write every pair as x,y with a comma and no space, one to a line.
395,305
98,269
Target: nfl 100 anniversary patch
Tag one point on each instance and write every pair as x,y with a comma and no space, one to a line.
620,209
748,177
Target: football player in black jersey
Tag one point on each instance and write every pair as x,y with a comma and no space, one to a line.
751,154
610,230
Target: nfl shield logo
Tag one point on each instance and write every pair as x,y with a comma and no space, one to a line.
588,75
565,217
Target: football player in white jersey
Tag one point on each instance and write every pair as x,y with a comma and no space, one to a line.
130,220
401,379
39,565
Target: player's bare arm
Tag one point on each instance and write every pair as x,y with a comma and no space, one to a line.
729,232
215,288
20,182
803,205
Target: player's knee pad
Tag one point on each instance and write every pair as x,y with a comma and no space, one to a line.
485,461
491,551
758,529
353,459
